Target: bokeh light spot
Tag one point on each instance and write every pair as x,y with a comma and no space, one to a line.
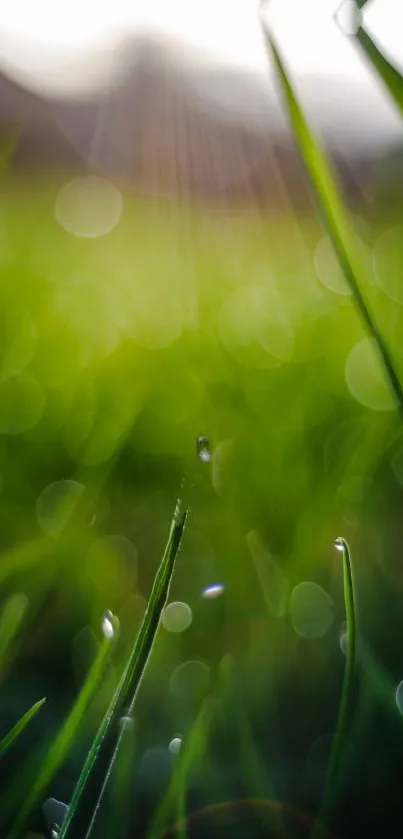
88,207
366,379
56,505
328,268
311,610
191,680
22,402
176,617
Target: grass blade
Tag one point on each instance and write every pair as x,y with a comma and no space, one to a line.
99,763
334,214
18,728
347,695
391,78
64,740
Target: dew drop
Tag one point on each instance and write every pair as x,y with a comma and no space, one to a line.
203,449
108,624
175,745
213,591
340,544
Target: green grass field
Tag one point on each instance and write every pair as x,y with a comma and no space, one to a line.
117,352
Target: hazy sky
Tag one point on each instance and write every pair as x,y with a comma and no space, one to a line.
73,46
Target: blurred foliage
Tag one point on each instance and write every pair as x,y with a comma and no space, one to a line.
116,352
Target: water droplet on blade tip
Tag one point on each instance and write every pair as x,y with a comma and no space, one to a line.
108,624
339,544
203,449
175,745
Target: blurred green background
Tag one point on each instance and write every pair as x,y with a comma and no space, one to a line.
117,351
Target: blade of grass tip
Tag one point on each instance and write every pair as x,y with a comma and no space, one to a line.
334,214
99,762
347,695
388,74
61,746
18,728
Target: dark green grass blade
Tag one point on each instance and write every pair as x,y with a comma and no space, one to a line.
98,765
64,739
391,78
345,714
334,215
18,728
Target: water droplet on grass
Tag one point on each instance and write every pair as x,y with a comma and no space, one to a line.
213,591
175,745
109,624
203,449
340,544
176,617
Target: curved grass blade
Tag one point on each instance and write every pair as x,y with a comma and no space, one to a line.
347,696
18,728
99,763
334,215
390,77
64,739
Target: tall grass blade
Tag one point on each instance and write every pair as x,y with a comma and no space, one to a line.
334,214
391,78
18,728
61,746
347,696
99,763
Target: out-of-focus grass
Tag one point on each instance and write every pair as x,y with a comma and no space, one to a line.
116,353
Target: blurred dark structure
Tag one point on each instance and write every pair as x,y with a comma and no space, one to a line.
157,134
